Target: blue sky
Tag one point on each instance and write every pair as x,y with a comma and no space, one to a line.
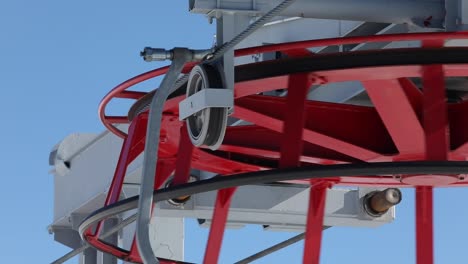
59,58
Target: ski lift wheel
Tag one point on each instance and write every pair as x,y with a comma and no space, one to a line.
206,127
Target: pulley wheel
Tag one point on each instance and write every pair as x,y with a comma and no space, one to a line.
206,127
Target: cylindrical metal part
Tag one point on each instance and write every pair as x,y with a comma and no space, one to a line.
151,54
181,200
379,202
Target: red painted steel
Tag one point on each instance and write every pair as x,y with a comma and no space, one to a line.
300,45
314,227
413,95
424,225
298,53
184,158
310,136
291,140
435,123
352,40
125,158
288,132
397,113
220,214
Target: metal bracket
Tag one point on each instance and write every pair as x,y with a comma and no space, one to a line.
205,98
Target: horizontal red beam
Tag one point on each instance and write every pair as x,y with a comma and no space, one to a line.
130,94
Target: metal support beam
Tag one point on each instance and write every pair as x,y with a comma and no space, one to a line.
227,27
422,13
457,15
313,237
279,208
89,256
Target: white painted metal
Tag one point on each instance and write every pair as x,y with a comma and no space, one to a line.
83,189
280,206
422,13
205,98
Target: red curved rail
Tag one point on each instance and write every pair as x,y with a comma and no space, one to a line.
120,90
423,141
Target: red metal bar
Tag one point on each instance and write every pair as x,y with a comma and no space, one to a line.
310,136
121,167
298,53
164,169
413,94
430,36
220,214
293,125
398,116
130,94
117,119
435,113
115,188
314,227
261,85
424,225
436,138
134,254
384,72
184,157
273,154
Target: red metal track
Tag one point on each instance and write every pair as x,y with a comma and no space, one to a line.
404,124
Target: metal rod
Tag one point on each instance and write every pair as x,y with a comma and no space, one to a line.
274,11
272,249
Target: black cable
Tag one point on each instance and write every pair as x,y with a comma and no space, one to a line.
272,249
331,61
350,60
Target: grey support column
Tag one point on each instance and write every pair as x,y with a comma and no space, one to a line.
112,239
89,256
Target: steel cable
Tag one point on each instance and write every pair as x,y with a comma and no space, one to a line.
249,30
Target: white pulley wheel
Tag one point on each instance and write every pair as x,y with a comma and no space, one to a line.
206,127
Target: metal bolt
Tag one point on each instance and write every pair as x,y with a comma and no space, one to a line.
151,54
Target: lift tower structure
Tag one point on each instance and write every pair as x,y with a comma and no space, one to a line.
295,98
